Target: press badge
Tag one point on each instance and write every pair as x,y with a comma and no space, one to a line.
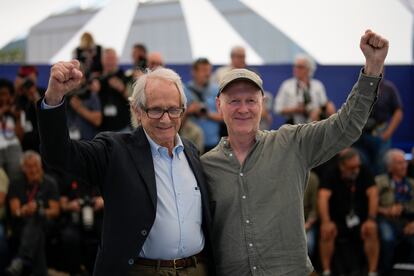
74,134
352,220
110,111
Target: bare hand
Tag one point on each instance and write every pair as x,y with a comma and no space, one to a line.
395,210
368,228
64,77
328,230
117,84
409,228
375,49
95,86
75,103
98,203
29,209
74,206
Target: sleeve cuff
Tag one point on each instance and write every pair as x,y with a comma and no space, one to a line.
44,105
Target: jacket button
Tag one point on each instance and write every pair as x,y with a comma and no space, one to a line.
144,232
131,261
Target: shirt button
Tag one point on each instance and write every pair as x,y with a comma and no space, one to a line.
254,268
144,232
231,154
244,197
247,221
241,174
250,244
131,261
371,83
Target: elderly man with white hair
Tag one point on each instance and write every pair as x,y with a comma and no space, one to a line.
156,215
302,99
396,208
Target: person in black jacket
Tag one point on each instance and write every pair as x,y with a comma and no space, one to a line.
156,217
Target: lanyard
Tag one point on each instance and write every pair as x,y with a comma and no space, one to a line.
32,193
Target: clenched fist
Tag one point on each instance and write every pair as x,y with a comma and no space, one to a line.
64,77
375,49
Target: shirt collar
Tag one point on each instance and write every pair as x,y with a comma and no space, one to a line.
224,142
157,149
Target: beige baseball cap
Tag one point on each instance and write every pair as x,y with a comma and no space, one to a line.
240,74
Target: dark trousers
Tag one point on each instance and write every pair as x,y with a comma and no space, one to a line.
32,245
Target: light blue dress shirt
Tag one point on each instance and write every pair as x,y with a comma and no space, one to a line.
177,231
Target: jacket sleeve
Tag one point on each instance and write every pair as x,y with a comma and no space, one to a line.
84,159
317,142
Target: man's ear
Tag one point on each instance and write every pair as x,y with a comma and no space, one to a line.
218,105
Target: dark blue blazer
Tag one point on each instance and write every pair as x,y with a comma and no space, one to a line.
121,165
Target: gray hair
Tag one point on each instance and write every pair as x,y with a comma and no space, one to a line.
346,154
30,154
138,99
389,156
310,63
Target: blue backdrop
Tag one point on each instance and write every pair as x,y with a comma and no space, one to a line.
338,81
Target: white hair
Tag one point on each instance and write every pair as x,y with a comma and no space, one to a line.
29,154
310,63
389,156
138,99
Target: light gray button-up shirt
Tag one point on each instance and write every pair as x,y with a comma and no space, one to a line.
257,207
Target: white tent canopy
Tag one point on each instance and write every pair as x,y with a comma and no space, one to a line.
17,16
328,30
117,16
202,36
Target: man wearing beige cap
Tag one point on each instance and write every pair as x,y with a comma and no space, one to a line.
257,178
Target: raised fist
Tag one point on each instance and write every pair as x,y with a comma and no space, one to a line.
375,49
64,77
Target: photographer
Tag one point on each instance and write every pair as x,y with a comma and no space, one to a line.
201,95
113,94
302,98
33,203
82,213
11,131
84,114
27,93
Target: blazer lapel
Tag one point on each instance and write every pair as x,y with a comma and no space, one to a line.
140,151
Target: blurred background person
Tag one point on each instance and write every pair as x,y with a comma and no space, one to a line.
348,205
384,119
303,99
266,118
113,94
89,55
201,99
396,210
27,94
82,213
237,60
4,254
410,168
33,203
139,65
155,59
11,131
310,206
84,114
139,56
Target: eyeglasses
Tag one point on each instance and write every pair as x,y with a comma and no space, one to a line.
157,113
